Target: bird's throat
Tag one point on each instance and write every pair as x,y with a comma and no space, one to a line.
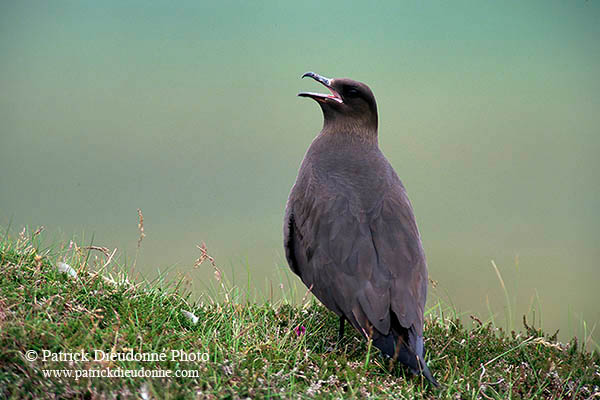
350,129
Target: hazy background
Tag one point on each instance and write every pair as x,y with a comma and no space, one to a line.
489,112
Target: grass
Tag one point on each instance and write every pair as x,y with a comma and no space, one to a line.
242,349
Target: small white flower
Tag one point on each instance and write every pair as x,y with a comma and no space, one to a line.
144,392
66,269
190,316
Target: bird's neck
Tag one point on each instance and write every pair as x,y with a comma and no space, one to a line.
346,129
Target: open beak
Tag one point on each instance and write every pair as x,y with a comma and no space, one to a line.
334,96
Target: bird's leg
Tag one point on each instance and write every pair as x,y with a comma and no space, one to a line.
331,349
341,331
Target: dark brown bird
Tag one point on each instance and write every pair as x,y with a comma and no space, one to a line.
350,232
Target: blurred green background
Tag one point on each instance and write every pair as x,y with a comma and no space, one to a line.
489,111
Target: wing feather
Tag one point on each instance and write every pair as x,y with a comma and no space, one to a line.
362,259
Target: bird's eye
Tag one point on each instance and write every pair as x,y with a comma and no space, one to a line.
352,92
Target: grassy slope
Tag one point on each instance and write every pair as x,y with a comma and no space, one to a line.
254,349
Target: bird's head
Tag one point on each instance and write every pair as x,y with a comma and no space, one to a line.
350,108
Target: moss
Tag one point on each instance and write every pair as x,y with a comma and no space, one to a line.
254,350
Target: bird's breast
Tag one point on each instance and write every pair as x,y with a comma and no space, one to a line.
361,177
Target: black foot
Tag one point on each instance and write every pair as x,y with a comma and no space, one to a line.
331,349
341,331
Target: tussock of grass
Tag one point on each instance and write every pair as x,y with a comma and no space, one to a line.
273,350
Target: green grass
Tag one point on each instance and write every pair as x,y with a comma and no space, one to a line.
247,349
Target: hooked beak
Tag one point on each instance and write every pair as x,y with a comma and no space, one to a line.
334,96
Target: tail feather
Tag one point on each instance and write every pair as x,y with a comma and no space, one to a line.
395,347
427,373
